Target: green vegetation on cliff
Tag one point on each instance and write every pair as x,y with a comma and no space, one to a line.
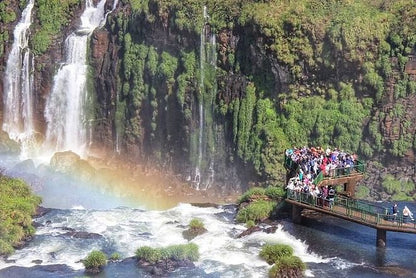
17,205
7,16
289,73
53,15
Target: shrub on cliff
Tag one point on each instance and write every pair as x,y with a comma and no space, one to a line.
275,192
272,253
362,192
252,194
291,266
95,261
256,211
17,205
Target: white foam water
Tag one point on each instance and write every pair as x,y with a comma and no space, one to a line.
123,230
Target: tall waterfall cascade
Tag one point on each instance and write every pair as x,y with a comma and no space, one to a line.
68,120
18,119
208,59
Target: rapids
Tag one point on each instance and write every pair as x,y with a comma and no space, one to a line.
114,222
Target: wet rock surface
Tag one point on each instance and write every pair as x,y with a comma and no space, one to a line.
192,233
164,267
82,235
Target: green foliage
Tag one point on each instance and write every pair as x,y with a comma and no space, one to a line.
167,66
343,57
256,211
115,256
398,188
17,205
53,15
177,252
272,253
6,248
252,193
148,254
318,122
362,192
402,145
402,196
250,224
245,122
196,224
7,13
390,184
275,192
95,259
291,265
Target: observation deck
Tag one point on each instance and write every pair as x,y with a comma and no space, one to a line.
344,205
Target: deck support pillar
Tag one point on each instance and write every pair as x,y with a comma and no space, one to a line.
296,214
350,187
381,238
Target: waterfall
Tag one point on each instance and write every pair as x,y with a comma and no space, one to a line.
208,57
213,63
18,86
66,112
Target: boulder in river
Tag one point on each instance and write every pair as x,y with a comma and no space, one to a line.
71,163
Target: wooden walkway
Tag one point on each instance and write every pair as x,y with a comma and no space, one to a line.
355,211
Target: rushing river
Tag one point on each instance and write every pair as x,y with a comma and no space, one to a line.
330,247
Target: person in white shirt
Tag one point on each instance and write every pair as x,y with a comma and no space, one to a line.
407,212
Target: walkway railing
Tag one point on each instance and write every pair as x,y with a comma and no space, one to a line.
354,209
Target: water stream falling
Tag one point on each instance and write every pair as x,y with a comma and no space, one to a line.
18,119
207,57
66,112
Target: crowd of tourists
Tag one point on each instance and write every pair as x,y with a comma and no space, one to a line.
310,162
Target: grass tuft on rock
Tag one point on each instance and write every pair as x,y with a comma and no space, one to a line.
291,266
95,261
196,224
272,253
174,252
256,211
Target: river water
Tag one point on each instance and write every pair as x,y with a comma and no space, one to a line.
331,247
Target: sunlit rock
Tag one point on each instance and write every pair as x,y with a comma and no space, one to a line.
7,145
72,164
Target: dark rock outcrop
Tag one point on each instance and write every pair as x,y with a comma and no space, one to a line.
249,231
83,235
193,232
164,267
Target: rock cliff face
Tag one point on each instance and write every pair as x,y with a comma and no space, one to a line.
152,89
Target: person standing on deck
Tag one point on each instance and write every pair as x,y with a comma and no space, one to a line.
407,213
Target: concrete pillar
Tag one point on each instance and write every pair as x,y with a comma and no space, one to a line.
381,238
350,188
296,214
